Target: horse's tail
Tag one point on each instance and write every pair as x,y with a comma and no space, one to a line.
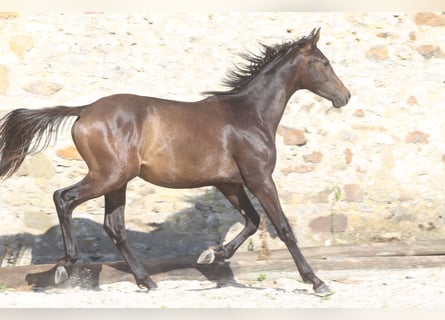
24,131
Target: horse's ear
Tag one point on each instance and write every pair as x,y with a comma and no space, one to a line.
314,37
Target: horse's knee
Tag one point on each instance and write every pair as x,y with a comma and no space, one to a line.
57,195
60,202
66,199
115,232
285,233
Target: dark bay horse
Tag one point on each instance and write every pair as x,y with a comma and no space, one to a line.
226,140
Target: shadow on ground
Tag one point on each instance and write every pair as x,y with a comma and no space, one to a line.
184,233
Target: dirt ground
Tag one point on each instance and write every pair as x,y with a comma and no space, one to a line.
391,288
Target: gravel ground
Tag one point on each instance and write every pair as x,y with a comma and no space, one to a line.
393,288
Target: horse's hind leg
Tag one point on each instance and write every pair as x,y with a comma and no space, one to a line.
67,199
238,198
114,225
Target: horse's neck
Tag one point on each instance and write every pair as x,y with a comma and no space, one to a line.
270,92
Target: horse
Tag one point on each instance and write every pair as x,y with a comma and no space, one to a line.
225,140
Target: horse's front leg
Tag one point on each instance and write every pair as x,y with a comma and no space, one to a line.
263,187
238,198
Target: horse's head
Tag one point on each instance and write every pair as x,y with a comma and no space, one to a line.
317,75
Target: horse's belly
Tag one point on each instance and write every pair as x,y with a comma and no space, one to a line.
189,175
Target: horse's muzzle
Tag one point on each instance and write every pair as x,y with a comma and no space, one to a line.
341,100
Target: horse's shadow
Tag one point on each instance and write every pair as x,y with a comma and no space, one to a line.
201,229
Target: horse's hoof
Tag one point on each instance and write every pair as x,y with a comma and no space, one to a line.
206,257
323,291
61,275
146,283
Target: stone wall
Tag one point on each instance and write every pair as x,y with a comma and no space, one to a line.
372,171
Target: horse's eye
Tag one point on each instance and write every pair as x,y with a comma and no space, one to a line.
326,64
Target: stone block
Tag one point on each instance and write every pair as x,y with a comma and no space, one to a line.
359,113
39,166
39,221
314,157
411,101
430,19
378,52
429,51
417,136
353,193
43,88
331,223
17,199
297,169
348,155
8,15
292,136
69,153
20,44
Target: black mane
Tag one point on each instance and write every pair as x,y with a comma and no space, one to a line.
239,76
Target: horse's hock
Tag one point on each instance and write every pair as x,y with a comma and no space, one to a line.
373,171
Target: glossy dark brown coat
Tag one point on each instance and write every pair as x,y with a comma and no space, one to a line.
226,140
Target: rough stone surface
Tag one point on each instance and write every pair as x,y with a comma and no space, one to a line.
384,151
4,79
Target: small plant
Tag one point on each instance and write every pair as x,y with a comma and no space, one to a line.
2,288
326,298
270,296
337,194
261,277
